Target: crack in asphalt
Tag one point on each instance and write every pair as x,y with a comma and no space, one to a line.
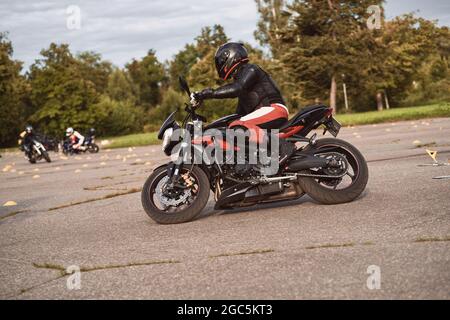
262,251
434,239
101,187
62,269
12,214
108,196
64,273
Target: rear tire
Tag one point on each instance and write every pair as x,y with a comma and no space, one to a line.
93,148
329,196
182,216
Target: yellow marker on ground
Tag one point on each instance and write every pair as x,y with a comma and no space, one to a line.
432,154
10,203
7,168
57,168
85,165
103,163
36,176
77,171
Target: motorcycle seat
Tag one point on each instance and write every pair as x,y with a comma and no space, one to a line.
300,115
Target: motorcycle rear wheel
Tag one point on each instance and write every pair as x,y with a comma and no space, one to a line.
93,148
325,191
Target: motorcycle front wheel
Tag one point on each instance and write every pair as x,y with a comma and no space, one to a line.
341,190
182,203
46,156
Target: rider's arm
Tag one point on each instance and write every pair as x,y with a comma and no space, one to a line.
245,80
80,138
21,137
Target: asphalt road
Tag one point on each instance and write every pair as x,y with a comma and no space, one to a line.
85,211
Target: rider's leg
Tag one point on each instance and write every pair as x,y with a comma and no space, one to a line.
266,118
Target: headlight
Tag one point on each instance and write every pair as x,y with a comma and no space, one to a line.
166,138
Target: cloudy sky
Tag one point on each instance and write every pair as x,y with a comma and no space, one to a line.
121,30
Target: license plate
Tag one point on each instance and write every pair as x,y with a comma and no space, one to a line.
333,127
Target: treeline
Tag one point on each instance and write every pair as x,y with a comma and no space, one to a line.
313,48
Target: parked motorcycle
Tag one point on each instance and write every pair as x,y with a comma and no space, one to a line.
36,151
331,171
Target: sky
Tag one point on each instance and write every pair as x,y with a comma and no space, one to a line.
122,30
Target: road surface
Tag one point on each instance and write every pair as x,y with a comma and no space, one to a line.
85,212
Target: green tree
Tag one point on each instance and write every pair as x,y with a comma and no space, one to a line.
120,87
321,41
13,89
60,94
94,69
182,64
148,75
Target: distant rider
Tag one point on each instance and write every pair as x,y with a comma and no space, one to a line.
76,139
26,139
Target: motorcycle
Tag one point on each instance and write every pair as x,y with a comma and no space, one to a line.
36,151
329,170
89,143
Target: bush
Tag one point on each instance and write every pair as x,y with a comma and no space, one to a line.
117,117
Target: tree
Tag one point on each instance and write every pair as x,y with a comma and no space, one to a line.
182,64
120,87
94,69
13,89
148,75
321,41
60,94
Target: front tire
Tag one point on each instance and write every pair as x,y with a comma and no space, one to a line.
46,156
177,216
329,196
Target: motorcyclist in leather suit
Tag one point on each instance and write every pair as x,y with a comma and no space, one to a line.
260,104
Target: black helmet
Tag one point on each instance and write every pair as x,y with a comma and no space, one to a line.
228,57
29,129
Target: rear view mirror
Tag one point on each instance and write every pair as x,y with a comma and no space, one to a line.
184,86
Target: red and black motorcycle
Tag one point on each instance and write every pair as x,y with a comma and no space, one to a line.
331,171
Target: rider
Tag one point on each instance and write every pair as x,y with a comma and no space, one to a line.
261,104
76,139
26,138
